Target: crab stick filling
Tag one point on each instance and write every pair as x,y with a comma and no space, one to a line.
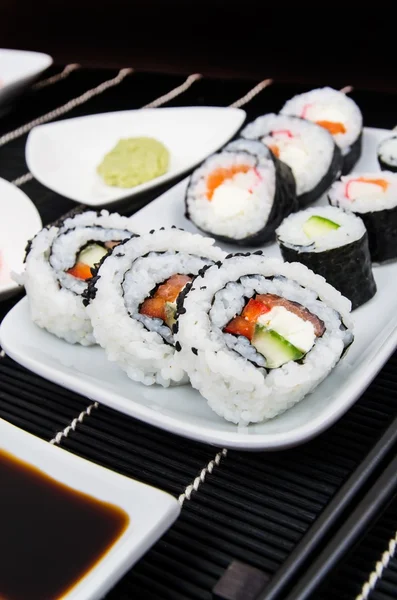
162,304
88,257
365,187
325,116
279,329
229,189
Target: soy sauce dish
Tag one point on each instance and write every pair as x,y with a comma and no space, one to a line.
70,529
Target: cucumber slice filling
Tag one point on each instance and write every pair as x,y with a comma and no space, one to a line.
316,227
274,347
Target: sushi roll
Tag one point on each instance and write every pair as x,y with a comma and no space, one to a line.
256,335
334,244
373,197
337,113
59,262
132,301
387,154
308,149
241,194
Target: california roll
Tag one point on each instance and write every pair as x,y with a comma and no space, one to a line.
337,113
256,335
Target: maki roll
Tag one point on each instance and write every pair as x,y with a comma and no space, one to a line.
337,113
372,196
308,149
387,154
241,194
334,244
59,262
132,301
256,335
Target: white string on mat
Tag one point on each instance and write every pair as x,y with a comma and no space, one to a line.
175,92
72,427
252,93
196,483
22,179
65,108
57,77
2,353
347,89
377,572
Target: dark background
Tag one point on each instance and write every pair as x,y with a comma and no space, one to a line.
335,43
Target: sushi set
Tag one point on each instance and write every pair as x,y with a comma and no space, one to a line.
129,311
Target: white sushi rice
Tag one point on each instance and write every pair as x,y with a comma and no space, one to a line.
240,207
141,346
54,296
309,152
387,151
291,233
327,104
235,388
360,197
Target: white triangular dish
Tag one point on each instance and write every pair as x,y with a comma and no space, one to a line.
64,155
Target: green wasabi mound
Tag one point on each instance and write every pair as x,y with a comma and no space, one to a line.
134,161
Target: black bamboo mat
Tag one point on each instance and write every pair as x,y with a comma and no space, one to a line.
254,507
35,404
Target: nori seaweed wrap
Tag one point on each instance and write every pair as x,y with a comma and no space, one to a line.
387,154
352,156
333,244
373,197
241,194
382,233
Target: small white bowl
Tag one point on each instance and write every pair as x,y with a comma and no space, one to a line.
64,155
19,222
18,68
150,510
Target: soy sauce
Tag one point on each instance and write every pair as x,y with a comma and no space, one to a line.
50,534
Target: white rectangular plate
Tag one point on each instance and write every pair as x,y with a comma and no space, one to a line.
182,410
151,511
64,155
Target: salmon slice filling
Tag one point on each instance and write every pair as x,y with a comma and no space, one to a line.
333,127
162,304
219,176
279,329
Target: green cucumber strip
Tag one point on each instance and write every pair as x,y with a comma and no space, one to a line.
92,254
317,226
274,347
